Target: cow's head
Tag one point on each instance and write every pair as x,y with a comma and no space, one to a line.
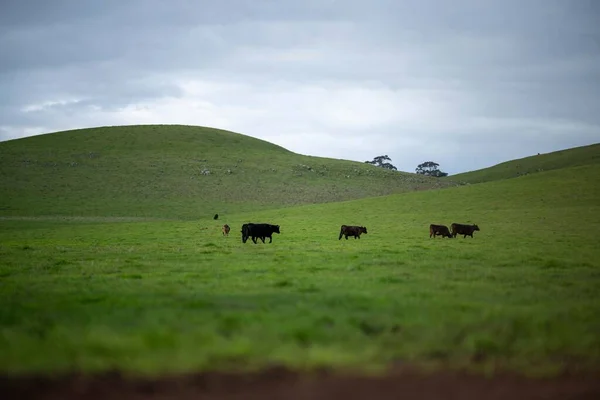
244,233
475,227
363,229
276,229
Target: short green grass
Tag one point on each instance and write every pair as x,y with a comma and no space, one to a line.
156,171
577,156
173,296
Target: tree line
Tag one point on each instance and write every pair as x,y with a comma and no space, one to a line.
428,168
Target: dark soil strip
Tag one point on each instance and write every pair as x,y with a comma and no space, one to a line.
283,384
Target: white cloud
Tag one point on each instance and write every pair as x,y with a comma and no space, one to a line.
49,104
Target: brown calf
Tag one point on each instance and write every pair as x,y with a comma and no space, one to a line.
226,230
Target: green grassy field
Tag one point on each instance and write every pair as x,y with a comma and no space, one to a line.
156,296
577,156
156,171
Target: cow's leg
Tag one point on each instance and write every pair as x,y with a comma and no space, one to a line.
346,237
270,238
262,238
341,234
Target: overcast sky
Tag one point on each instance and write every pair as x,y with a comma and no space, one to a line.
465,83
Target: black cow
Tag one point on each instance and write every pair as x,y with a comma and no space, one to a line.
216,216
260,231
441,230
348,230
461,229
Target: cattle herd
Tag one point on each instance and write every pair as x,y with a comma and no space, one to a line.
262,231
455,229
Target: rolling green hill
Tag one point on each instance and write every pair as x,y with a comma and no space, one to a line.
576,156
174,171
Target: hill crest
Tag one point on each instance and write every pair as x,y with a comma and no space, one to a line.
177,171
566,158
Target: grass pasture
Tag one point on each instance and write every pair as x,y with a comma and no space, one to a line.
170,296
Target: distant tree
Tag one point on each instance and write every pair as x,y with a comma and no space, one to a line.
430,168
379,161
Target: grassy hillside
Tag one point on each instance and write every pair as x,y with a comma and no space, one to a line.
584,155
157,171
175,296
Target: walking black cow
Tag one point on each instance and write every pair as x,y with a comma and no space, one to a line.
461,229
441,230
349,230
259,231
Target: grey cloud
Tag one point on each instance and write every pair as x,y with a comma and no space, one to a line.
493,80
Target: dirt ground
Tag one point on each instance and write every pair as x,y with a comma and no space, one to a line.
279,383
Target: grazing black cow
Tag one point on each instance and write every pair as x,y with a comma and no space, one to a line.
260,231
441,230
462,229
244,233
216,216
355,231
226,230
